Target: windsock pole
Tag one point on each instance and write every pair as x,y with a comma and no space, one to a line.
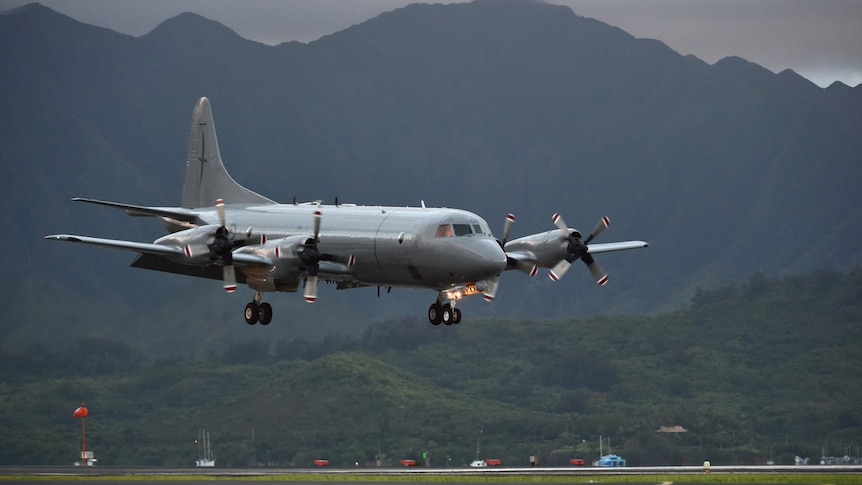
82,413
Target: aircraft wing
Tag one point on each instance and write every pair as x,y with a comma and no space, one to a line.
334,271
522,256
596,248
525,261
154,249
529,261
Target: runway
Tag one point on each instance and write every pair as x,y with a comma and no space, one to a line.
27,474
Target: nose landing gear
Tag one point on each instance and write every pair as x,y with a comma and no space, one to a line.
444,313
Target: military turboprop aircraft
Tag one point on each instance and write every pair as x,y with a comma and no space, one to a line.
221,226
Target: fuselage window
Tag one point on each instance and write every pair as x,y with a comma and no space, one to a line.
444,230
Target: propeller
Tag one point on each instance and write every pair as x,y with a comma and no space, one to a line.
491,292
507,228
578,249
222,245
311,257
493,283
530,269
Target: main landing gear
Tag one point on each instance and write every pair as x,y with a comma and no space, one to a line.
444,313
257,311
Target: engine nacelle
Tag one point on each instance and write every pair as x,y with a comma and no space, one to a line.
285,249
284,274
195,241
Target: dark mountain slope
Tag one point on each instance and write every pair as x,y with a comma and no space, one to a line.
496,107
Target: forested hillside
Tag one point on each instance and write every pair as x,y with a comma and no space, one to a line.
768,368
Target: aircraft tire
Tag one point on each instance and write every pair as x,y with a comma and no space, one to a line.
251,313
446,314
435,315
264,313
456,316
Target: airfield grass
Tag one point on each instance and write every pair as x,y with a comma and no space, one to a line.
717,478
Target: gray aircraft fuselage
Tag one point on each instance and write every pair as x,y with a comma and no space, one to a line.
391,246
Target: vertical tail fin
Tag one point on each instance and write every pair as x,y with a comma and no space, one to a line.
206,177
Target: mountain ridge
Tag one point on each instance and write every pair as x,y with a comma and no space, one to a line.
515,106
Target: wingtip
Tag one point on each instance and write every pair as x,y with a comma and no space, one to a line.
62,237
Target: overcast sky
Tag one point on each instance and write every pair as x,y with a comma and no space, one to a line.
819,39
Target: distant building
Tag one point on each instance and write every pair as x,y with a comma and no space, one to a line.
671,429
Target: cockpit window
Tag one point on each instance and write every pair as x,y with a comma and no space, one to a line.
451,230
463,229
444,230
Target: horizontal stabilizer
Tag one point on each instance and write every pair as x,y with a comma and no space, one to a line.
176,213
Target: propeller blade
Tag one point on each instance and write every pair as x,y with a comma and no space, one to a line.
317,216
507,228
529,268
598,273
491,292
220,209
310,289
196,250
603,224
229,275
559,222
559,270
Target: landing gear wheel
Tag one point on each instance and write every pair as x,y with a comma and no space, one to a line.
456,316
252,313
264,313
446,313
435,315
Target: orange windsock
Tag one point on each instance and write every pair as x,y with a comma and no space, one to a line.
81,412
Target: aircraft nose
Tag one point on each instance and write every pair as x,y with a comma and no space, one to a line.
489,258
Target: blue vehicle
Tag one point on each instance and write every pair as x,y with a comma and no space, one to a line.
612,461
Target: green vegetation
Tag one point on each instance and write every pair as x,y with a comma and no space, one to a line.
768,369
